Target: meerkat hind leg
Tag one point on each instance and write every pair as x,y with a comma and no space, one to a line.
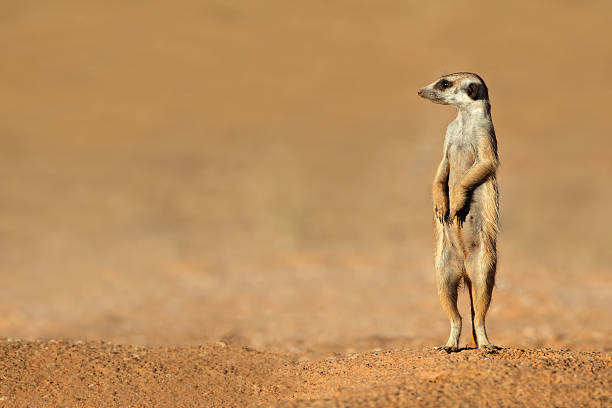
448,277
481,272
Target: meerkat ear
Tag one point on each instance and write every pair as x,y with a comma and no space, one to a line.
473,90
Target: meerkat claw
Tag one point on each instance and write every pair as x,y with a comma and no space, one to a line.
490,347
447,349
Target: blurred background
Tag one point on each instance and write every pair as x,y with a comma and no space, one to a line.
259,172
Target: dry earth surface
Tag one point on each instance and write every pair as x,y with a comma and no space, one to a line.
234,197
93,374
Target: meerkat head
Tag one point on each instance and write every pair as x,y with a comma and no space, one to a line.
459,89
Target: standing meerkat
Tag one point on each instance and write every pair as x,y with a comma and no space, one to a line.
466,203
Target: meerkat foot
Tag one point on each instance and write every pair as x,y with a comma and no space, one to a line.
489,347
447,348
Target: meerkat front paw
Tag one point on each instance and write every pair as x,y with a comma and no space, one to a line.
440,206
457,204
441,211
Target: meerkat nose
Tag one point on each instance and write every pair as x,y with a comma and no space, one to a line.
420,93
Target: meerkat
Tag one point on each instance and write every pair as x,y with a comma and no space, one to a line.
466,203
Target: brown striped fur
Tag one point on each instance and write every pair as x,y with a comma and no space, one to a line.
466,203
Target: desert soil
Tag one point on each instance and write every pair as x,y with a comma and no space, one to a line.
93,374
223,203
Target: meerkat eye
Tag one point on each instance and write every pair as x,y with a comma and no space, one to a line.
443,84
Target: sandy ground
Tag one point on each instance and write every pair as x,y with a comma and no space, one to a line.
179,174
219,375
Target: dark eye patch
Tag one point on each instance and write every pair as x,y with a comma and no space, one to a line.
443,84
